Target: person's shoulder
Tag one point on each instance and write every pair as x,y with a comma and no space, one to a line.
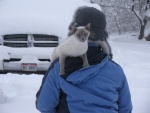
118,69
112,67
114,64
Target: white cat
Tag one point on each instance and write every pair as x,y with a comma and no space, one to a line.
102,41
74,45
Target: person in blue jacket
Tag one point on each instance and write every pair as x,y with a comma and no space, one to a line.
101,87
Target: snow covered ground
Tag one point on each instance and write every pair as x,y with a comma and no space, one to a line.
17,91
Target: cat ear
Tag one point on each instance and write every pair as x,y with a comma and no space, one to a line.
88,26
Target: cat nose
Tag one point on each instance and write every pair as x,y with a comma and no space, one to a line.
82,39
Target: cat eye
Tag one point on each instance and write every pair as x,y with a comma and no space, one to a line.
79,35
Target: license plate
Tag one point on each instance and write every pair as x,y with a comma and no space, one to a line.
29,67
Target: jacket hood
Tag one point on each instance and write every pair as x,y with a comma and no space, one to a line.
85,73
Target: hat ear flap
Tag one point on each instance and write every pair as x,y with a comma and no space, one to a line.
74,28
88,26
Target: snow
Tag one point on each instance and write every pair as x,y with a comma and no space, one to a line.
138,14
25,53
17,91
32,51
147,29
147,13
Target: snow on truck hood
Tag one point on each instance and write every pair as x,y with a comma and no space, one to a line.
38,16
8,52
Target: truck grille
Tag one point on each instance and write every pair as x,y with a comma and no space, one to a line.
25,40
38,37
15,44
45,44
19,37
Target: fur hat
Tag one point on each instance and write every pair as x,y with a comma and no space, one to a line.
96,18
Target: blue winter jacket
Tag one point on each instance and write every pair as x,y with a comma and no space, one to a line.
100,88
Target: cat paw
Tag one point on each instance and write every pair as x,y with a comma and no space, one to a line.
86,64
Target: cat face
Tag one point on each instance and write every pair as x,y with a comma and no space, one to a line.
82,33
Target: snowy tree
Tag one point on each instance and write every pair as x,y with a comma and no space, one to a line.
119,15
139,8
123,11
